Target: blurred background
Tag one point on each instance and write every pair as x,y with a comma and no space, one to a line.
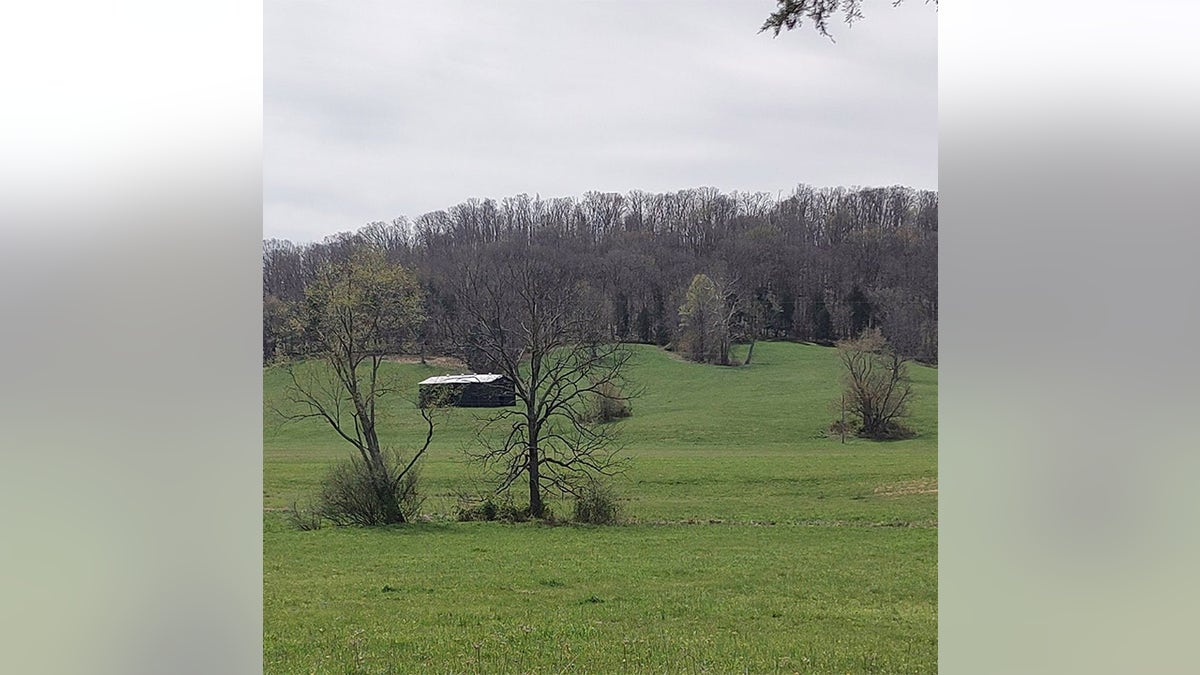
131,477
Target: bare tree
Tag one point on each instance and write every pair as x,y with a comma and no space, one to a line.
810,248
355,313
877,387
530,316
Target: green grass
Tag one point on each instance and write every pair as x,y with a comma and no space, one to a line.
758,544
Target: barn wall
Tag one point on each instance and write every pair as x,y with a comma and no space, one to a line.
474,395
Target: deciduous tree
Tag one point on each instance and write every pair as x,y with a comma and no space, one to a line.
877,387
640,252
356,312
704,322
530,314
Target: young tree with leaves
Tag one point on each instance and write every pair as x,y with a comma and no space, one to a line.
355,313
704,320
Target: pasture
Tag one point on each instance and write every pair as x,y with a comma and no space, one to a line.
756,542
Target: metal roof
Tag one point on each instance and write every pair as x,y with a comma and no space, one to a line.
469,378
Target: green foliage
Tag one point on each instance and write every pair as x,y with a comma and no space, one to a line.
704,323
597,504
360,307
279,334
484,510
490,508
353,494
822,321
355,313
861,312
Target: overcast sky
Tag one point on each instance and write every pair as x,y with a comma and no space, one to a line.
379,109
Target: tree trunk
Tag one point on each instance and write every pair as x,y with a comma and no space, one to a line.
380,480
536,508
750,354
384,489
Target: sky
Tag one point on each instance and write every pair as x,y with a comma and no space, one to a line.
377,110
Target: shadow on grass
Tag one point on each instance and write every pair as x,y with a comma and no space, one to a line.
410,529
457,527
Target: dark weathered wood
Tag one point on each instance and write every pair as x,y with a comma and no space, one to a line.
496,394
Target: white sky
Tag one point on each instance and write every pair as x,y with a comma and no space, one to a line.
374,110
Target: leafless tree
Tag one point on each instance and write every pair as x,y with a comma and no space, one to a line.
877,387
531,317
811,249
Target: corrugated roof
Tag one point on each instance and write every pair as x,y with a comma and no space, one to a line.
469,378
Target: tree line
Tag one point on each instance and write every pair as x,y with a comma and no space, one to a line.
821,264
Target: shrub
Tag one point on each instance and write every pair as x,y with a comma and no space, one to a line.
608,404
877,386
837,428
597,504
352,494
490,509
408,495
470,510
304,518
892,431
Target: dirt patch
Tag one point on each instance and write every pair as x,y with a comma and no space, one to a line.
921,486
448,362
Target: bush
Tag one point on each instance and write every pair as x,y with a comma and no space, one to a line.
877,387
837,428
597,504
351,494
608,404
304,518
471,509
892,431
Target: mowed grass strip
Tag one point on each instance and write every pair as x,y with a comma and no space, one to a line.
494,598
758,543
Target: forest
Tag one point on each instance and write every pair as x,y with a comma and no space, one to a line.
818,265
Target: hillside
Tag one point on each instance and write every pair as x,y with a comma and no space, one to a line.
704,442
757,544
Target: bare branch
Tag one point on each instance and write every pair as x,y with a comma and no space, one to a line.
532,320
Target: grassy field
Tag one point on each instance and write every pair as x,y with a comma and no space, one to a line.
757,544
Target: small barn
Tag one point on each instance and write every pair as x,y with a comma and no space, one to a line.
472,390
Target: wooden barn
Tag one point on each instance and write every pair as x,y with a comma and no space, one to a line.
472,390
